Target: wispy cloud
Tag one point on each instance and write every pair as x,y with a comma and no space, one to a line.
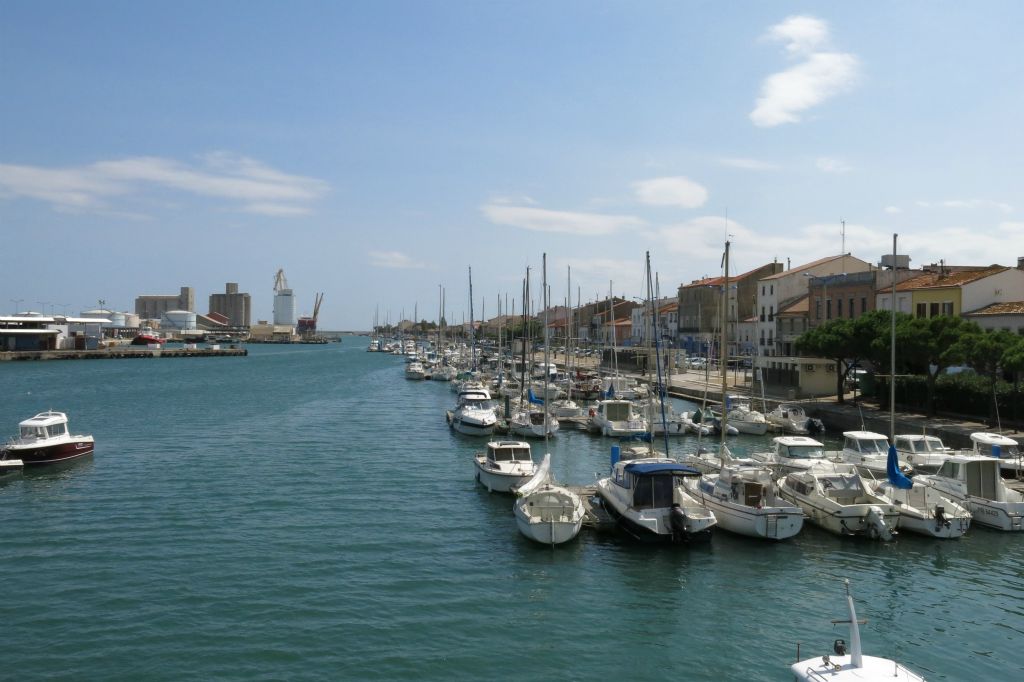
819,75
748,164
893,210
566,222
670,191
967,203
828,165
252,185
702,238
394,260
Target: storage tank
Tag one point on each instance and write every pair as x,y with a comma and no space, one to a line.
179,319
131,320
284,307
116,319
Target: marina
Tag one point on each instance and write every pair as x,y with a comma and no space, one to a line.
180,535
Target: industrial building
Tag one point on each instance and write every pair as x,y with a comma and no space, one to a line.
236,307
152,307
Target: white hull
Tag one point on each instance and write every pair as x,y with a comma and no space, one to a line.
770,523
923,510
841,669
849,520
1007,516
472,427
750,428
497,481
550,515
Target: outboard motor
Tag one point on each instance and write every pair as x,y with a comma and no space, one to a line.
839,646
875,520
814,426
677,522
940,517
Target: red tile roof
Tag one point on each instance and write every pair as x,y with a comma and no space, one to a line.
935,280
1005,308
806,266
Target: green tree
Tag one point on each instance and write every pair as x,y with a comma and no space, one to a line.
984,354
930,346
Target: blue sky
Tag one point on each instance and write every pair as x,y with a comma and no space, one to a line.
377,150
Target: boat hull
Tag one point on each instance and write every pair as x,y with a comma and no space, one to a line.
650,527
497,481
51,454
549,516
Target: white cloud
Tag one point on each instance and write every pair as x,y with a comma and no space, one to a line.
827,165
893,210
704,237
567,222
801,34
221,176
670,191
821,74
394,260
748,164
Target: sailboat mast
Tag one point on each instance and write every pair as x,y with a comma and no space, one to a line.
661,393
544,298
892,351
472,325
723,352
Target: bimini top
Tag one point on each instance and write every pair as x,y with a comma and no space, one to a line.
643,468
992,439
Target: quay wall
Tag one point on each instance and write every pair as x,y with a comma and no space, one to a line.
121,352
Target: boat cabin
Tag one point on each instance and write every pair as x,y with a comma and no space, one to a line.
44,425
843,488
865,443
920,445
995,445
980,476
508,451
616,410
798,447
653,483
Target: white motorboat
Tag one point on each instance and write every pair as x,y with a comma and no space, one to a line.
565,408
926,511
648,500
673,423
792,419
617,418
745,419
1006,450
866,450
474,415
45,439
744,501
504,465
840,666
545,512
836,498
415,371
444,373
792,453
974,481
923,454
694,422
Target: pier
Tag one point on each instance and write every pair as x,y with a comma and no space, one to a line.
121,352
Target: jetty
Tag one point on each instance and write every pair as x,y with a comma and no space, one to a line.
121,352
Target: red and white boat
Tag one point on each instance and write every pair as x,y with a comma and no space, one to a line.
147,337
44,439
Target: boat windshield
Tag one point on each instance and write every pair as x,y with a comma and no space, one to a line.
929,444
803,451
510,454
33,432
870,446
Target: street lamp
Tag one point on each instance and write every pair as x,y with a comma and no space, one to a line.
42,306
17,304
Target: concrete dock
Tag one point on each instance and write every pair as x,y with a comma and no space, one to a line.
122,352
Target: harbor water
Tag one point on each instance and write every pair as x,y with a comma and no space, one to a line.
306,513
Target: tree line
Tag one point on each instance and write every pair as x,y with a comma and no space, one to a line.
925,347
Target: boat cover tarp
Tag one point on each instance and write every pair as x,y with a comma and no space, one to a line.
892,470
643,468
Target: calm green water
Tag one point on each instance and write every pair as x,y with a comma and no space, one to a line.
305,513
